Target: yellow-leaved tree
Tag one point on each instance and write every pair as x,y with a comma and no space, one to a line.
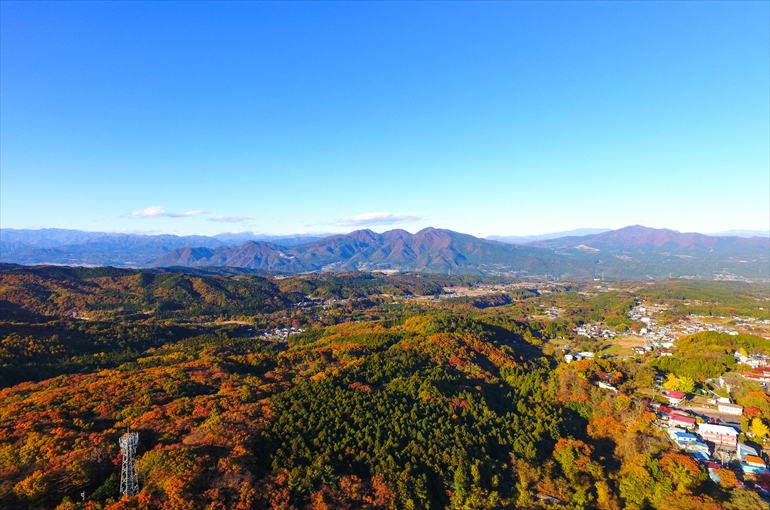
686,384
759,428
671,383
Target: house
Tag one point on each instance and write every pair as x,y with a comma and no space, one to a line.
684,437
673,431
748,469
675,397
682,421
759,377
712,467
696,447
754,460
701,456
727,408
606,386
744,450
718,434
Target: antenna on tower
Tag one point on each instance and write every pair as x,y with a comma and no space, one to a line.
129,479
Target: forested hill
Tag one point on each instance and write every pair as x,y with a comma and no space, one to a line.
438,411
383,400
40,293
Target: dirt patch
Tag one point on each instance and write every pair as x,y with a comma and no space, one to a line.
630,341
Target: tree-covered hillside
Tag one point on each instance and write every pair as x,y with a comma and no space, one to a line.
381,399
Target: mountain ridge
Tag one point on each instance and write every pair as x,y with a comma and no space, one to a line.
630,252
633,251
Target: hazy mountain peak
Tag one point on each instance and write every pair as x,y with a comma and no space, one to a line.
521,239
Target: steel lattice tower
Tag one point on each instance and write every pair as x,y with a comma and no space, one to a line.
129,479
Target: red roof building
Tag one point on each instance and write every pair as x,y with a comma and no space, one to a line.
688,423
675,396
761,377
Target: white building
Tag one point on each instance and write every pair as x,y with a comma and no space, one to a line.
727,408
606,386
718,434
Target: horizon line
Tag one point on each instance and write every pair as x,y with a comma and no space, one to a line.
566,233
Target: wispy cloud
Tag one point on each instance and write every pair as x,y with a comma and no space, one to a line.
159,211
230,219
377,218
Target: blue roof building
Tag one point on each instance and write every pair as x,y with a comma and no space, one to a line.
684,437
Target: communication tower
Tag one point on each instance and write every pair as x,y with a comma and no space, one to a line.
129,479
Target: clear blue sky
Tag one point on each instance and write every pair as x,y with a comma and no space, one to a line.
486,118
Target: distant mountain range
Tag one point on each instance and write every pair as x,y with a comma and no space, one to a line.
630,252
742,233
76,247
543,237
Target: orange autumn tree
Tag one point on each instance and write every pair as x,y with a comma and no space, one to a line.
683,471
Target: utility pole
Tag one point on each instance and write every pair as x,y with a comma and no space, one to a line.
129,479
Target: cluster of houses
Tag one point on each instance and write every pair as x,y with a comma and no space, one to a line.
655,337
593,331
756,361
279,334
661,337
751,320
692,324
577,356
703,440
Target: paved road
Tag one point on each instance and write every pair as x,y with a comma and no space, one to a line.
728,419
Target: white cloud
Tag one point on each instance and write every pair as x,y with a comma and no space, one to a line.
230,219
159,211
377,218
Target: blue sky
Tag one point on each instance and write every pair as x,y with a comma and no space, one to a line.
486,118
